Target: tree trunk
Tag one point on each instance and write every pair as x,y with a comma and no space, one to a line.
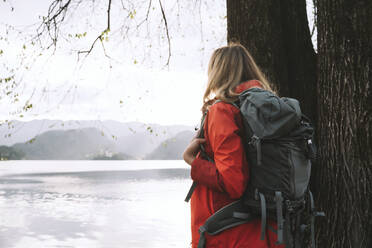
345,126
277,35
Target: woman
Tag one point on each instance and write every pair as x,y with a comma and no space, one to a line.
231,71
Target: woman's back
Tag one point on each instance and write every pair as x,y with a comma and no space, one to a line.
223,181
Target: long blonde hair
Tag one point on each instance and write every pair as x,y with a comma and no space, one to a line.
228,67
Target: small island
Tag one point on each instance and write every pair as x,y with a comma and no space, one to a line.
10,153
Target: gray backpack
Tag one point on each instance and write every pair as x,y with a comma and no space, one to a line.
279,148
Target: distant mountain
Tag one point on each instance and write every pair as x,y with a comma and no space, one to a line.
86,143
172,148
132,138
14,132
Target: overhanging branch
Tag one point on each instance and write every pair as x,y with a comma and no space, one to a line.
167,32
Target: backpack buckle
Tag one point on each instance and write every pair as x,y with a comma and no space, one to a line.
311,149
294,206
254,140
289,205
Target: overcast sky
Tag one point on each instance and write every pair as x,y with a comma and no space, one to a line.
135,84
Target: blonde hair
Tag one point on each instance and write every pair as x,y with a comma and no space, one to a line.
228,67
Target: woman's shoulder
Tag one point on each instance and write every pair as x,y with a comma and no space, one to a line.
223,106
223,119
221,109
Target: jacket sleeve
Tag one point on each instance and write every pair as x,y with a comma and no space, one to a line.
205,173
229,172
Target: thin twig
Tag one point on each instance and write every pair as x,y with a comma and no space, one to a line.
147,15
166,29
50,21
100,37
108,16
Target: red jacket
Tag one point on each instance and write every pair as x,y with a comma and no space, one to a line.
225,180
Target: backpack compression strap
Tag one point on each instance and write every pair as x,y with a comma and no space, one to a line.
263,215
279,215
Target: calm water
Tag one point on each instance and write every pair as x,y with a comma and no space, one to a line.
94,204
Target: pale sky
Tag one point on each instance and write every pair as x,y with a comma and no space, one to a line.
134,85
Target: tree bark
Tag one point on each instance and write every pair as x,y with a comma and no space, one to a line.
345,126
277,35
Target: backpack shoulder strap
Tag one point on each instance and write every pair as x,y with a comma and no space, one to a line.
201,127
202,152
202,149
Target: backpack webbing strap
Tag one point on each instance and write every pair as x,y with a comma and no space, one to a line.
298,231
313,214
259,153
287,232
203,153
279,215
263,215
312,219
202,241
231,215
191,190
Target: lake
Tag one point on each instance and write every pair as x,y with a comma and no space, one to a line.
94,204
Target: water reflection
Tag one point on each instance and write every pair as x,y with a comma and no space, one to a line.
137,208
111,176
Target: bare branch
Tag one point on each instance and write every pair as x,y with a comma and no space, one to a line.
108,16
56,15
147,15
104,52
100,37
87,52
166,29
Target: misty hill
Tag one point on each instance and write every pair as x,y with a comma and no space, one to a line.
86,143
133,138
172,148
